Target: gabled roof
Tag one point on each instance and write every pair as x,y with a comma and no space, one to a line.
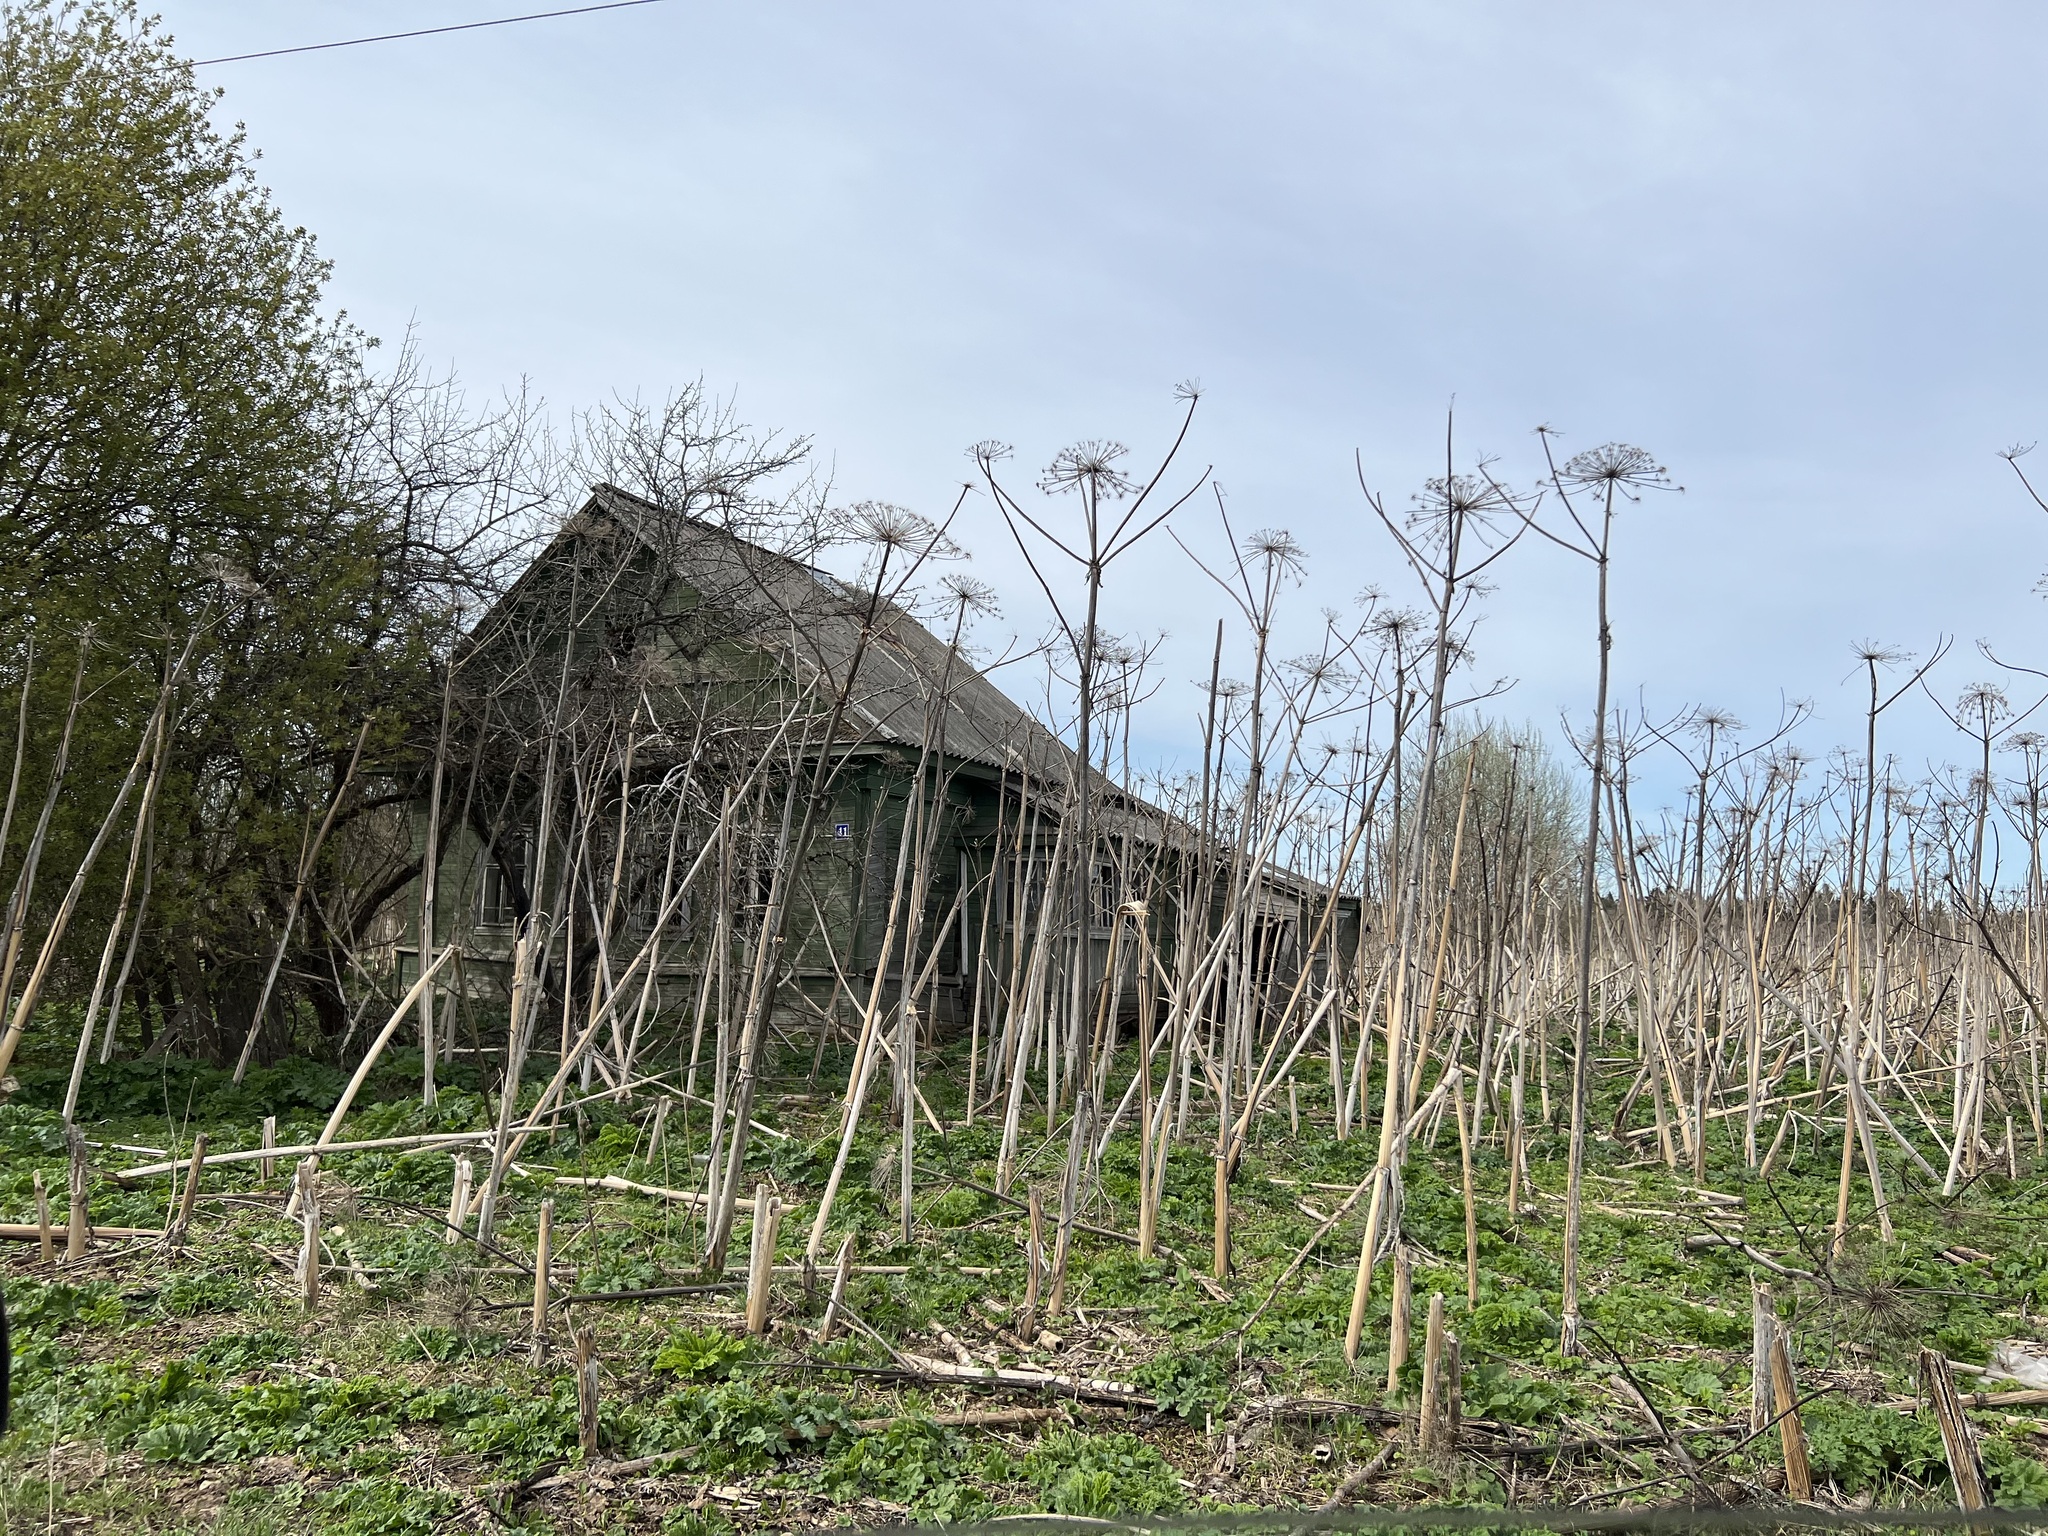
813,623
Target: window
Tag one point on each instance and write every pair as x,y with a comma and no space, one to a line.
1024,891
646,867
504,876
1104,896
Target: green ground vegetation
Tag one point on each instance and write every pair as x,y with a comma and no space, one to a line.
168,1389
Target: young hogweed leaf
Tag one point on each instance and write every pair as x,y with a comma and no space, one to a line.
701,1354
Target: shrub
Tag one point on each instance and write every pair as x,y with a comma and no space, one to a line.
430,1342
955,1208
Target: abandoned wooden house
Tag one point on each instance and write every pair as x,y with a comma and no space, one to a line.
720,712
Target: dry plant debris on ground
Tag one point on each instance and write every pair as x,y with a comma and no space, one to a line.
170,1388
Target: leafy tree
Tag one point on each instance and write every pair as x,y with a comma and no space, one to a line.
190,442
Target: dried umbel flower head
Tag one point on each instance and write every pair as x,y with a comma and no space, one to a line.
1116,650
451,1299
230,576
1469,502
1873,653
1399,628
1089,466
338,1202
1322,671
1983,702
882,1176
1615,467
885,525
1710,723
988,453
1277,548
964,594
1868,1303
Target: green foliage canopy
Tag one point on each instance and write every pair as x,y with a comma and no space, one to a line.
190,443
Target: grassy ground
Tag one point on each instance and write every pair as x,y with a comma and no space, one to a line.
187,1390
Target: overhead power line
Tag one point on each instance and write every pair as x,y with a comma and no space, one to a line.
392,37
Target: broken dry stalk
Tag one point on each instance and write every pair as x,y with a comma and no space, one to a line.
586,1392
761,1258
543,1260
1791,1433
46,1247
182,1222
78,1236
1958,1440
842,1267
309,1237
1429,1429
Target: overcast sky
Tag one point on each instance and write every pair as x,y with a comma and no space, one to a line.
1797,252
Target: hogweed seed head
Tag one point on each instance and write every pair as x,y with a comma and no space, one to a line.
1619,467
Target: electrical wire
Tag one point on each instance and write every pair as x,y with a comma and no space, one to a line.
392,37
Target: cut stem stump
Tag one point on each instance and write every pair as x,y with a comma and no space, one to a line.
46,1244
1965,1463
1401,1317
1791,1433
586,1391
543,1256
78,1237
189,1200
761,1259
1429,1430
309,1237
